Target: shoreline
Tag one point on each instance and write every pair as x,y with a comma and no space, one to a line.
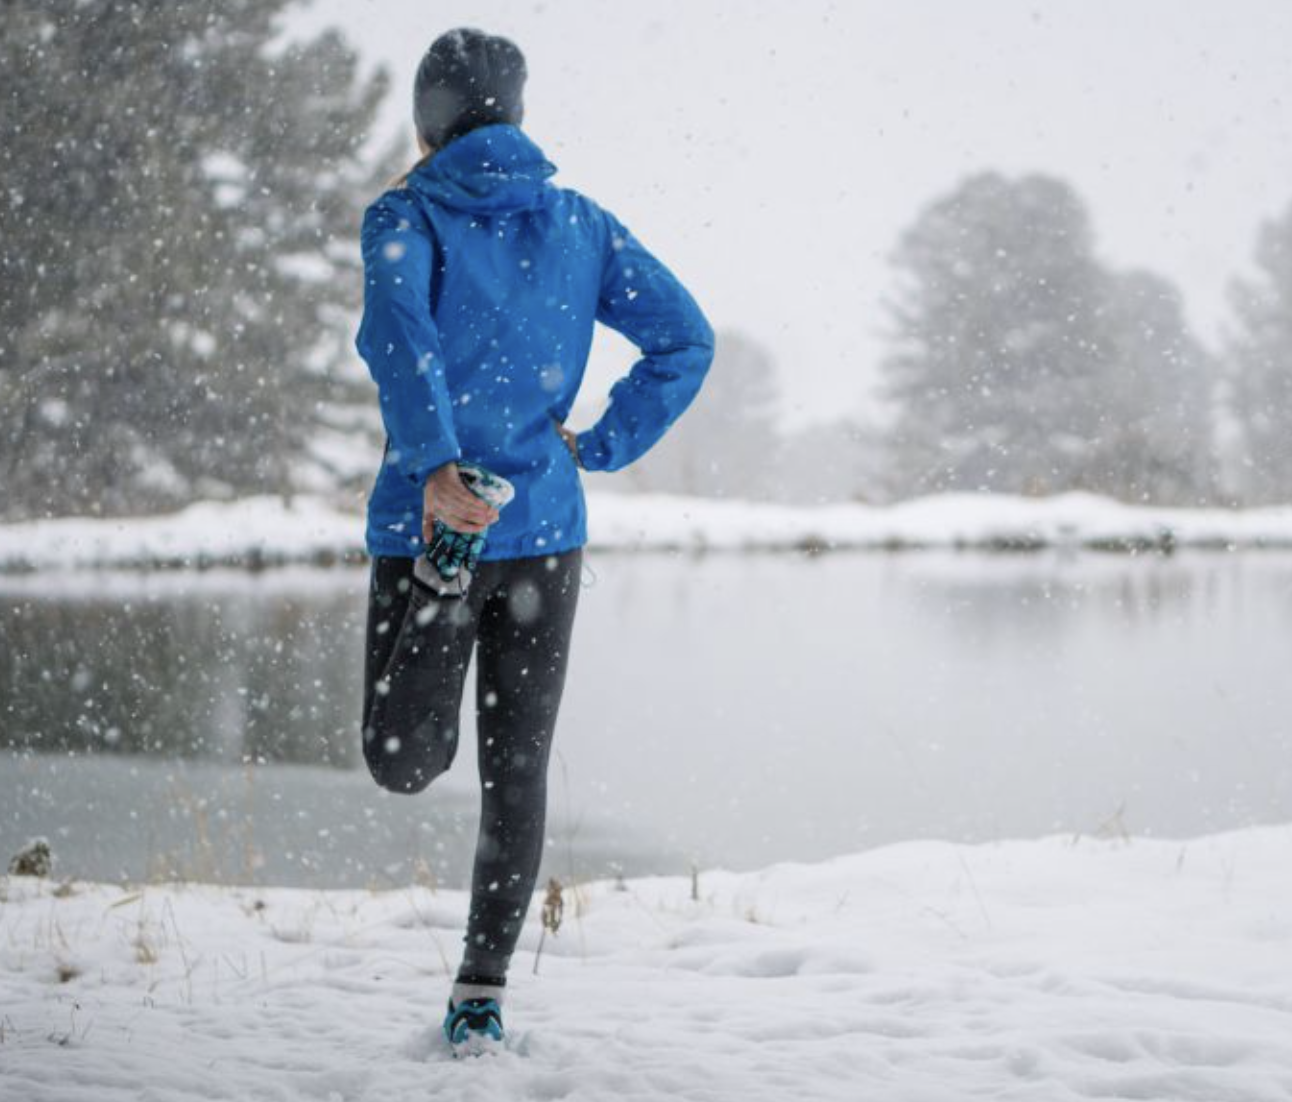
260,533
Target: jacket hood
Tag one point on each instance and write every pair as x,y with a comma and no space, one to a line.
490,170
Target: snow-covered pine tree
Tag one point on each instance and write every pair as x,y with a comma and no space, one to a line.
1021,364
996,340
182,192
1156,438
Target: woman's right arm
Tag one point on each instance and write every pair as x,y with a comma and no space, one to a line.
399,341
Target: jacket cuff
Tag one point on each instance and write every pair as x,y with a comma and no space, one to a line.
417,465
593,454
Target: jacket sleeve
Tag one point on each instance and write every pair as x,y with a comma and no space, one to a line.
644,301
399,341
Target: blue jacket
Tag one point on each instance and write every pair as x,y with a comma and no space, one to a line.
482,284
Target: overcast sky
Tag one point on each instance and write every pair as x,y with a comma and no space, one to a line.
771,153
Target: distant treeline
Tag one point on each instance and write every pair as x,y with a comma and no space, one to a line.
1018,362
178,280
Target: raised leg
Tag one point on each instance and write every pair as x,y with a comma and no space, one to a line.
419,647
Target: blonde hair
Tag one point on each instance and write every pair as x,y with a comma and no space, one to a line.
402,179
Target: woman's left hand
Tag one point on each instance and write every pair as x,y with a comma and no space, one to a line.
570,439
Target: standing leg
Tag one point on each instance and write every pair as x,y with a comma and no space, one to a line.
524,646
421,644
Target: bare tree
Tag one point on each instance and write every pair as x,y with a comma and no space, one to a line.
1260,360
727,444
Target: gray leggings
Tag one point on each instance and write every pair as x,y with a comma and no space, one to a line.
518,613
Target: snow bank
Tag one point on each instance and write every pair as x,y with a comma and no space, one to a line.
262,531
253,531
1045,970
971,521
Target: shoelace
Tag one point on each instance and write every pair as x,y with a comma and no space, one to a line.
452,551
477,1016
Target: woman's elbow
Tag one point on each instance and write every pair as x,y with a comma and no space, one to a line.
703,346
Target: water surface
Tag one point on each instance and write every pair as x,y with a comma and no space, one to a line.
725,710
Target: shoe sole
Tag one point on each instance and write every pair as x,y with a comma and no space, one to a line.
477,1044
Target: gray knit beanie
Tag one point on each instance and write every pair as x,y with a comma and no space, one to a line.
467,79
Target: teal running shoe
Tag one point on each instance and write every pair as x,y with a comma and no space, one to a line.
475,1027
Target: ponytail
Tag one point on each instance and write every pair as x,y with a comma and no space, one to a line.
402,179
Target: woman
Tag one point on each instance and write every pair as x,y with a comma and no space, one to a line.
482,284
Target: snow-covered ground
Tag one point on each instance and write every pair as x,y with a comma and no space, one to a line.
1052,969
264,530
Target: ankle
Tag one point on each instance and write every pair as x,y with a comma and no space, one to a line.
475,986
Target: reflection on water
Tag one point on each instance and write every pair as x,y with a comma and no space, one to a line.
226,668
731,710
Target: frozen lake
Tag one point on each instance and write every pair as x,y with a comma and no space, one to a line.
731,710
